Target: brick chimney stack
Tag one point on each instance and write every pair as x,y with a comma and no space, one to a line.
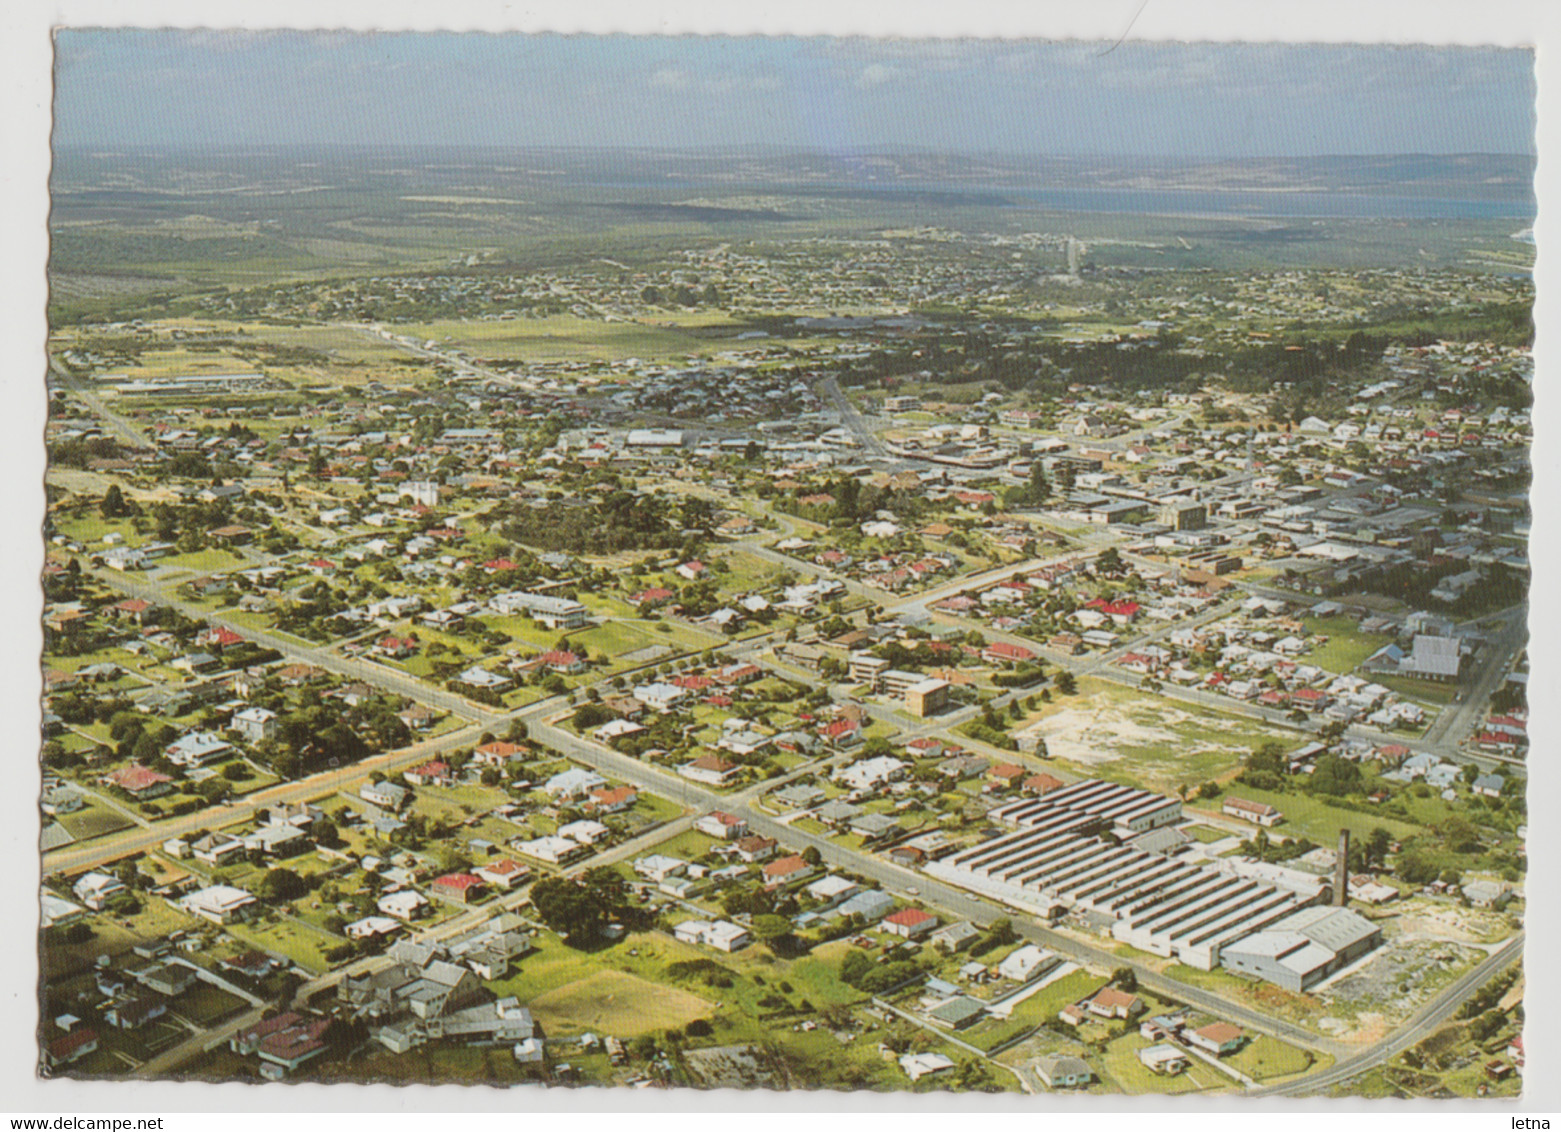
1341,870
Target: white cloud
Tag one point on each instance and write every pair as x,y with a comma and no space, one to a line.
672,78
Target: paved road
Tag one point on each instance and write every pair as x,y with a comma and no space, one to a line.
321,656
121,427
695,798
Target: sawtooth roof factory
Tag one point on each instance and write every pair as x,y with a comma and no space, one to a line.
1056,860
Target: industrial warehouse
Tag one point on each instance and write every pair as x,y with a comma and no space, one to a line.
1083,849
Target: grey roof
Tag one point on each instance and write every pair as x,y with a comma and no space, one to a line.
957,1010
869,905
1166,839
837,811
874,823
956,932
1437,656
1063,1065
1336,928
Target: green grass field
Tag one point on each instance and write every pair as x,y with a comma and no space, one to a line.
1263,1058
571,338
1347,646
1312,817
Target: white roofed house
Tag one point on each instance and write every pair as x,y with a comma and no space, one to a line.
370,927
719,934
719,824
1258,812
405,904
870,773
660,697
576,782
256,724
95,890
197,749
219,903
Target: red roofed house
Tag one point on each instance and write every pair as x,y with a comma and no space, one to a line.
912,923
1121,612
656,595
787,870
435,773
710,769
1001,652
1110,1002
284,1042
1006,773
503,873
692,570
718,823
463,887
1312,699
72,1046
1218,1038
140,781
220,638
843,732
133,609
1042,784
497,753
561,660
739,674
396,647
611,799
753,849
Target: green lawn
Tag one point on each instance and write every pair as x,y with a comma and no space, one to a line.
1206,833
1312,817
302,945
1347,646
1034,1011
94,820
206,561
204,1004
1121,1062
1264,1057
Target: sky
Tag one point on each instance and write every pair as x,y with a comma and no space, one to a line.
123,87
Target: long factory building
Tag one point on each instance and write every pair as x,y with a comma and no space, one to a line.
1083,849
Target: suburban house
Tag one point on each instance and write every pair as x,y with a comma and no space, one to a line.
721,825
786,870
256,724
283,1043
912,923
503,874
1062,1071
1218,1038
388,795
1259,812
720,934
405,904
464,888
219,903
95,890
712,770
